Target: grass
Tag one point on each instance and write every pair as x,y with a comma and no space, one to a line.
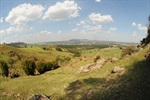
101,84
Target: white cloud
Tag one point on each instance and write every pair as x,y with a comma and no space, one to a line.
2,32
81,23
14,29
98,18
133,24
86,26
134,34
97,28
59,32
140,27
11,30
31,28
83,32
61,11
1,20
98,0
113,29
75,30
46,32
24,13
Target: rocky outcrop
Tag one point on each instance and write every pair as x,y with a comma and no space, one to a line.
114,59
117,69
90,67
39,97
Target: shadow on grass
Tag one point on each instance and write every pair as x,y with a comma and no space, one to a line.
134,84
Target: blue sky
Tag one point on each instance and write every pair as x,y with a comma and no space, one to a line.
33,21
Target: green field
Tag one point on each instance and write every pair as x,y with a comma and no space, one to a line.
64,84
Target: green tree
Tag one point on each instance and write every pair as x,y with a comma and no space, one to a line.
29,67
147,39
41,67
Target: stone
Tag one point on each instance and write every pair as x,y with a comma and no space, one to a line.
14,75
39,97
114,59
92,66
117,69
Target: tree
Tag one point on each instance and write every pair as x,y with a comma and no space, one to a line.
146,40
4,68
41,67
29,67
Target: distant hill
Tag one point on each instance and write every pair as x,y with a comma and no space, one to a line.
79,40
17,44
82,42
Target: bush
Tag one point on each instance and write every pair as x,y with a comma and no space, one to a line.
55,65
59,49
128,51
4,68
41,67
96,58
29,67
49,66
77,54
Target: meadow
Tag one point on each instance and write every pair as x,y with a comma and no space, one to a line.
65,84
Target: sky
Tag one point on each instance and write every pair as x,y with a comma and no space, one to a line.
33,21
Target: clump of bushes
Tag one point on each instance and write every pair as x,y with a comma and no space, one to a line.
59,49
64,59
77,54
43,67
96,58
128,51
55,65
29,67
4,68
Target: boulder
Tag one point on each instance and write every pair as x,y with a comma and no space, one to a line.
117,69
14,75
92,66
39,97
114,59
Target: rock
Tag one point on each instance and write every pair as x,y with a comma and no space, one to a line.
90,67
14,75
39,97
117,69
114,59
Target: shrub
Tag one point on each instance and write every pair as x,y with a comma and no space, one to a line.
4,68
55,65
59,49
128,51
49,66
29,67
96,58
41,67
11,62
77,54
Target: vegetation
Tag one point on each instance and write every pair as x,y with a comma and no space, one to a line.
96,58
64,83
146,40
29,67
58,49
128,51
42,67
4,68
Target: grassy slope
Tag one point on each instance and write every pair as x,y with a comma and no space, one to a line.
63,83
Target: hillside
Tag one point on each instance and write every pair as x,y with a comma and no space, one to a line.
64,84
